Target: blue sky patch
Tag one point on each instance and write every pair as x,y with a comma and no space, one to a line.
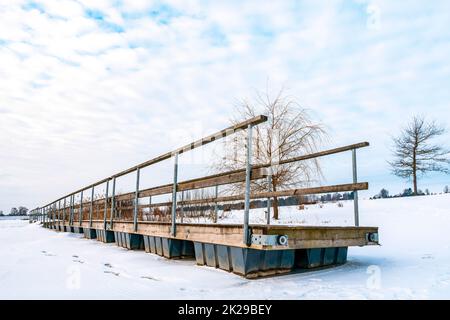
163,14
216,36
98,16
94,14
31,5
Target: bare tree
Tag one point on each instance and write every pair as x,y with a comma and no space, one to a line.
413,153
289,132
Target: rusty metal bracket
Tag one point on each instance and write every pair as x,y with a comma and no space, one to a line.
372,237
270,239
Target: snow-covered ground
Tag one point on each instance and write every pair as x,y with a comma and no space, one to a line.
413,261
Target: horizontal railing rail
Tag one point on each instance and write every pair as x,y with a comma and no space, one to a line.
201,142
126,206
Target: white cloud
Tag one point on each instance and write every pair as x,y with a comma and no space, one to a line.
79,101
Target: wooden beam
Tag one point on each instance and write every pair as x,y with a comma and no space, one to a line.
262,195
300,237
213,137
229,177
235,175
198,183
315,155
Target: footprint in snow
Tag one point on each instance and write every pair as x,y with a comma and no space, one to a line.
241,284
114,273
48,254
427,256
108,265
149,278
74,256
78,260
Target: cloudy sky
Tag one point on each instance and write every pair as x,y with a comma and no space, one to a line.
92,87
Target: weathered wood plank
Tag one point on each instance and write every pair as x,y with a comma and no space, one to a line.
204,182
213,137
282,193
262,195
300,237
226,177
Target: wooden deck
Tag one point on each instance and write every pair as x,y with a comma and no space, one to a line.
245,249
221,245
299,237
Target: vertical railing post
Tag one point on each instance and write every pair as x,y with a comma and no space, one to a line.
73,209
149,205
64,211
68,209
174,196
59,213
52,214
269,189
81,209
55,214
72,200
113,201
248,169
182,207
136,201
216,204
105,212
355,192
91,208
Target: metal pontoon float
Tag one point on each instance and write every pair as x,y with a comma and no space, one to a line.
246,249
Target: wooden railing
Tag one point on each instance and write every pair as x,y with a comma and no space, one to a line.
128,207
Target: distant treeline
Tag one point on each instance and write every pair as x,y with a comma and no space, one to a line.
20,211
282,202
384,193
